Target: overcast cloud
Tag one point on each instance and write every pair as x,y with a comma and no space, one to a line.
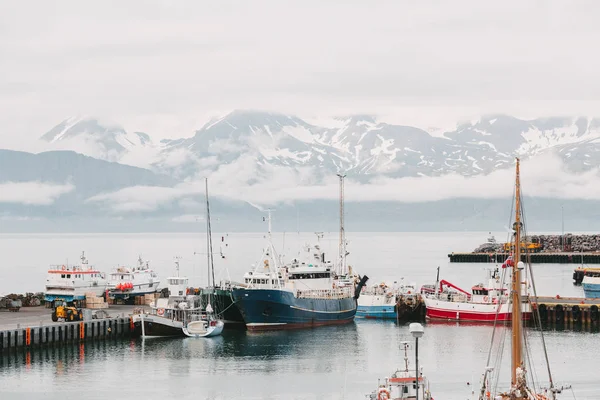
543,177
163,67
36,193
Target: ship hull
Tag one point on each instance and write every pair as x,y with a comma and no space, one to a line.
270,309
376,312
72,293
155,326
141,290
472,312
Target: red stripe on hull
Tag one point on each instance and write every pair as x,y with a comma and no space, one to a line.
261,328
470,316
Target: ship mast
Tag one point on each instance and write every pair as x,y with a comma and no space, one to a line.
342,268
209,253
517,327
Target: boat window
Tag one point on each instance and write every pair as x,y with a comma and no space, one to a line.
68,276
62,275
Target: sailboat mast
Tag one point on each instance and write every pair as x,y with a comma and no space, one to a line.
517,350
342,229
209,255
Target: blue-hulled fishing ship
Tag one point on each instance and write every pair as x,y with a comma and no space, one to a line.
308,292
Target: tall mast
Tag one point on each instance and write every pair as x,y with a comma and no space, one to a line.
209,255
517,350
342,229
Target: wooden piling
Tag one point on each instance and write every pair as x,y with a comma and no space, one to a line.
65,333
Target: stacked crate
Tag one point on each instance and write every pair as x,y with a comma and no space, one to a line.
94,302
148,298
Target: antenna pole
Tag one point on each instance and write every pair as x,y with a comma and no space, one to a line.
269,219
342,267
177,265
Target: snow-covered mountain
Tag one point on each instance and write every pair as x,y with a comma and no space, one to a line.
359,145
105,141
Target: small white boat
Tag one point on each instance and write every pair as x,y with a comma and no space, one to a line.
71,282
401,385
129,282
207,326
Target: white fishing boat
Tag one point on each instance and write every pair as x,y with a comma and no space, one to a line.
126,282
71,282
487,302
524,384
401,384
211,324
168,317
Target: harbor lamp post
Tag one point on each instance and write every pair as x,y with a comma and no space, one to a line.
417,331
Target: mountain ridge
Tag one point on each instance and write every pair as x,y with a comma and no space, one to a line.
359,145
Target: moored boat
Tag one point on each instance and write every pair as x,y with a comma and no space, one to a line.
591,284
306,293
126,282
401,384
169,316
71,282
212,323
381,301
300,295
486,302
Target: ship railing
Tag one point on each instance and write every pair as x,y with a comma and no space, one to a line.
339,293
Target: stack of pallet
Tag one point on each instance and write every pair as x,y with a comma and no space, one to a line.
148,298
94,302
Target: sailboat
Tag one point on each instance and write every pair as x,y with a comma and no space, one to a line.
210,324
522,384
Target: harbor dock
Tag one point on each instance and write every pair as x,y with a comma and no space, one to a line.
535,258
33,327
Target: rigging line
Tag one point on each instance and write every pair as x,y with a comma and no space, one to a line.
495,321
537,314
573,393
501,343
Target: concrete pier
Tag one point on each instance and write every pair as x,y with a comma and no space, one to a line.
33,327
536,258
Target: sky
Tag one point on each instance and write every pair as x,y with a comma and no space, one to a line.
165,67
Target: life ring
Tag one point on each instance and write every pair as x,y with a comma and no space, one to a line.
383,394
486,299
160,311
64,268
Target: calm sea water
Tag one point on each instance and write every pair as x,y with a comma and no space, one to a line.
331,362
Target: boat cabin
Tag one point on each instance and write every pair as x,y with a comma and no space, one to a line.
310,271
71,276
177,285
